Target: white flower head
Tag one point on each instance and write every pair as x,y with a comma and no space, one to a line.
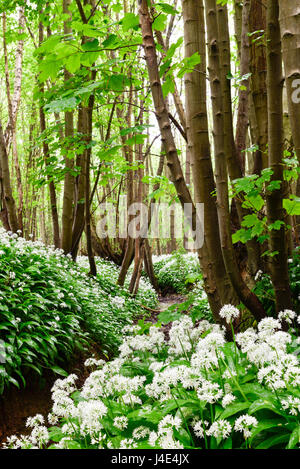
244,424
121,422
229,312
220,429
287,315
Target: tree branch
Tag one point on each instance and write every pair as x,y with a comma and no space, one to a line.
81,12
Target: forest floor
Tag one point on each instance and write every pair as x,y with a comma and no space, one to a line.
164,303
16,405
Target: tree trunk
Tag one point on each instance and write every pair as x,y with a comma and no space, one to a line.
6,184
258,69
278,263
246,296
290,33
89,129
172,158
79,219
199,145
243,107
46,151
69,180
13,106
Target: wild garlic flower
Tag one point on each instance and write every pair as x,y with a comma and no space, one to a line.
118,302
292,404
228,399
199,427
245,423
209,392
220,429
39,436
287,315
90,414
35,421
229,313
268,326
93,362
246,340
140,433
153,437
167,441
167,423
128,443
121,422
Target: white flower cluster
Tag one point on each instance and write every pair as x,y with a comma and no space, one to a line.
245,424
267,350
139,398
229,313
151,342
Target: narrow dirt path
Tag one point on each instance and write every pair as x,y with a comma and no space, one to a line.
166,301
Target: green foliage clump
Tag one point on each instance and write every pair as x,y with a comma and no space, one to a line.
49,307
176,272
108,273
265,291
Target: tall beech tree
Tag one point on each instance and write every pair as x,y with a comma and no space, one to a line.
278,244
289,17
68,197
46,152
258,80
242,290
199,145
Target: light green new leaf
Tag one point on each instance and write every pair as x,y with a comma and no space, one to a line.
130,21
292,206
159,23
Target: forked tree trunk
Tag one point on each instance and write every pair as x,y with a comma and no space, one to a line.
199,145
247,297
235,159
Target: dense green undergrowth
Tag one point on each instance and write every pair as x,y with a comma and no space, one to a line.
49,307
176,272
265,291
